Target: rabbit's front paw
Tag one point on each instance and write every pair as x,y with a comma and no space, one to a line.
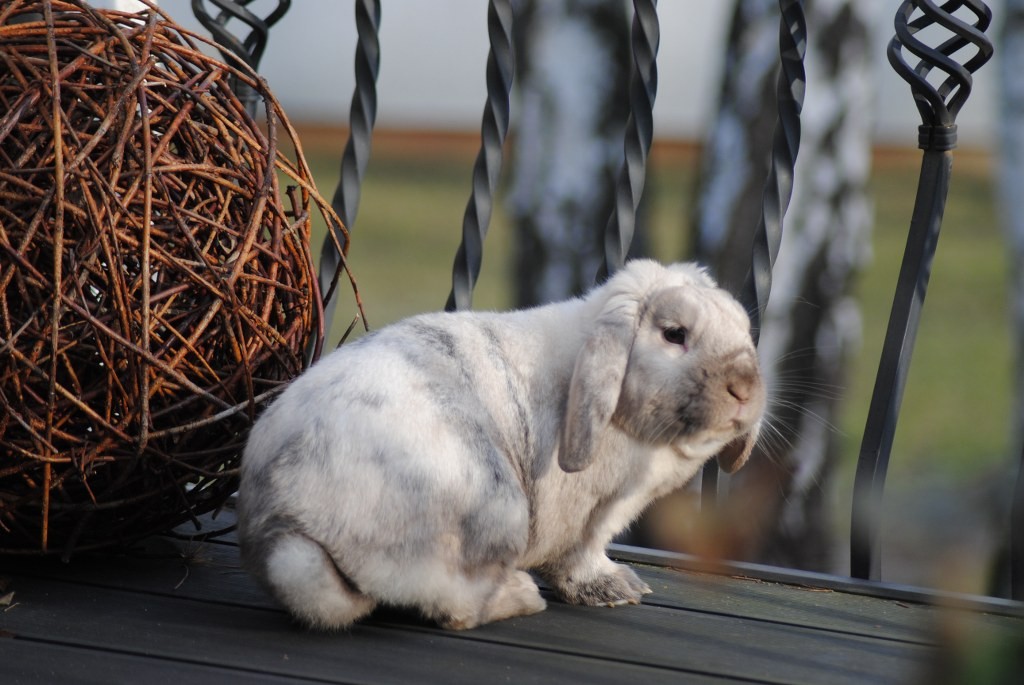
616,586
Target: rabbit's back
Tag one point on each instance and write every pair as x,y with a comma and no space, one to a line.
400,446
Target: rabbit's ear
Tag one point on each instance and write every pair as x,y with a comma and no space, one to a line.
595,387
735,454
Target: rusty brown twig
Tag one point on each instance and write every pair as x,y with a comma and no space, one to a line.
156,281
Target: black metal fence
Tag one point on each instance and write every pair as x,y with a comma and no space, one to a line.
939,83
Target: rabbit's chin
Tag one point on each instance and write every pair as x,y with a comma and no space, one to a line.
702,447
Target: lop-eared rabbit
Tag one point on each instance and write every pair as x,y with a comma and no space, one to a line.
436,462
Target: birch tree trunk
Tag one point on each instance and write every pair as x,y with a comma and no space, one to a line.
777,509
573,64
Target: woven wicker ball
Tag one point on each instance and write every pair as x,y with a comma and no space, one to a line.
156,283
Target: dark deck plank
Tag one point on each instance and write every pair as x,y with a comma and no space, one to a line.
744,594
211,571
23,661
246,639
818,608
172,605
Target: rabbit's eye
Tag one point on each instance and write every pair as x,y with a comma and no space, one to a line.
676,336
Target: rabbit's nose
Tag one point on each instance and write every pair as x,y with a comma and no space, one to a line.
743,385
739,389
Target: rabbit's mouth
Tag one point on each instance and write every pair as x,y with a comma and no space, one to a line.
722,424
696,418
701,416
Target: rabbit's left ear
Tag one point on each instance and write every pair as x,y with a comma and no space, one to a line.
595,387
735,454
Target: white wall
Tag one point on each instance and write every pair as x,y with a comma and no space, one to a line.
433,56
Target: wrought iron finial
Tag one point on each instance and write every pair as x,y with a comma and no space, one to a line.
250,49
362,115
500,71
938,105
643,87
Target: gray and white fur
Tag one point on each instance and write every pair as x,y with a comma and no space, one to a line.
436,462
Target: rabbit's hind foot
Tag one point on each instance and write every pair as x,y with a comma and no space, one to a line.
514,593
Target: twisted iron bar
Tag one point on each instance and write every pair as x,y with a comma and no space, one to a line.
629,187
938,106
249,50
362,115
778,189
486,169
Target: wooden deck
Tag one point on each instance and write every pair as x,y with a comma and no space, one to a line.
178,612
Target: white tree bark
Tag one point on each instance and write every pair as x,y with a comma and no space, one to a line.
572,72
735,155
776,508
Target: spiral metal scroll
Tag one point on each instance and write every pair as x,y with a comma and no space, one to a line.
938,106
362,115
643,86
778,189
250,49
500,71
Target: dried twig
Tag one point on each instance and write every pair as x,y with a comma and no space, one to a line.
155,287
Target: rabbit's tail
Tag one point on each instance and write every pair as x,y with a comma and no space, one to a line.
306,580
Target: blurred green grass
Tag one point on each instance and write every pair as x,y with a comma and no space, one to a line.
956,408
957,403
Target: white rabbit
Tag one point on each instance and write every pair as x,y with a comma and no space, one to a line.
433,463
